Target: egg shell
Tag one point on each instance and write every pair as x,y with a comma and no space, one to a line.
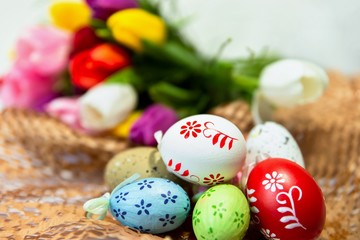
203,149
153,205
269,140
285,201
145,161
222,212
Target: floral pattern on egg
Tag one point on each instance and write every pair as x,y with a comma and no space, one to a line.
269,140
203,149
153,205
285,201
222,212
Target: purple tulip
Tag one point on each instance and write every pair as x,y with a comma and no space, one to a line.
102,9
156,117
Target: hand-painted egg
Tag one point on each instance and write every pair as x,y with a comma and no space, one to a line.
222,212
145,161
203,149
285,201
269,140
153,205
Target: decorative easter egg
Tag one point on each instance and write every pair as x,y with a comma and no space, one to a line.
203,149
153,205
145,161
269,140
285,201
222,212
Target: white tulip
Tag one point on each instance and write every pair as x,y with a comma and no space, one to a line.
105,105
287,83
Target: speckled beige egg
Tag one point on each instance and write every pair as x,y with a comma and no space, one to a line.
145,161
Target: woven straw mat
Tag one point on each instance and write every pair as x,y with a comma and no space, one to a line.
47,171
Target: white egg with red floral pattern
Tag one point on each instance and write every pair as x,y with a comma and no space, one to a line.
203,149
269,140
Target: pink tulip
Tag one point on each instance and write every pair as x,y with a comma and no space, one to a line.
25,89
67,110
44,50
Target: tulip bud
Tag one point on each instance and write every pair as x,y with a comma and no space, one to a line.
156,117
69,14
43,50
129,27
22,88
122,130
66,109
102,9
92,66
290,82
287,83
106,105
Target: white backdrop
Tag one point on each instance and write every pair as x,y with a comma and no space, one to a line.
324,31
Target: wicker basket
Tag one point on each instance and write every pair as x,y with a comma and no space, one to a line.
48,171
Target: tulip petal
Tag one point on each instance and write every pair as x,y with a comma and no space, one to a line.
156,117
290,82
70,15
106,105
123,129
281,73
129,27
315,80
102,9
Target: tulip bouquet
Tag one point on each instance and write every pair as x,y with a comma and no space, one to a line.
118,66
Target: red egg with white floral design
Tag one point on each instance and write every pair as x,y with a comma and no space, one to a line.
204,149
285,201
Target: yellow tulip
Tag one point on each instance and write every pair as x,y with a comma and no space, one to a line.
123,129
130,26
70,15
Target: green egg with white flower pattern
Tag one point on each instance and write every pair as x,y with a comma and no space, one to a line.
221,213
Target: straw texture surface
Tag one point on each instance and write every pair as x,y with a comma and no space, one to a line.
47,171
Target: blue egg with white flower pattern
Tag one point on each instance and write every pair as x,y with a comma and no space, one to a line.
153,205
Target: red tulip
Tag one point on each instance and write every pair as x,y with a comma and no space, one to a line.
93,66
84,39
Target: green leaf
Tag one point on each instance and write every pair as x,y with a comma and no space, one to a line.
127,76
149,6
174,52
105,34
171,94
154,71
246,83
186,102
254,64
97,23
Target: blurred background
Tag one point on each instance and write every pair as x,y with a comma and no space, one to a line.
323,31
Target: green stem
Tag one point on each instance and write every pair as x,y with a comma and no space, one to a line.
169,93
104,33
127,76
176,53
247,83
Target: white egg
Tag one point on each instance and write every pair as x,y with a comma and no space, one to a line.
269,140
203,149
